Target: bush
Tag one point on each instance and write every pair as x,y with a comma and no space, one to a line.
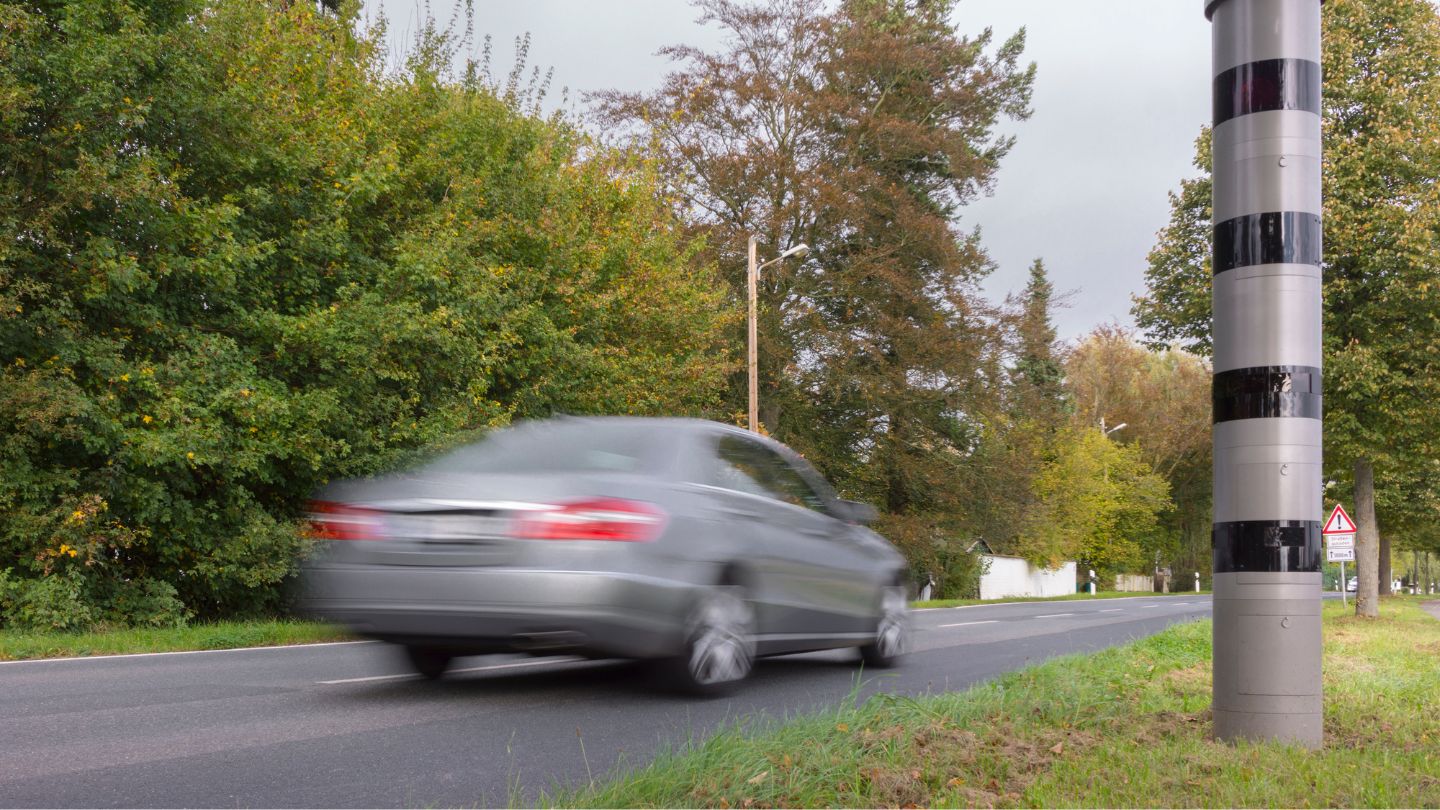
252,260
69,602
50,603
145,603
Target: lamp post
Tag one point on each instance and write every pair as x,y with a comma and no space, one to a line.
752,279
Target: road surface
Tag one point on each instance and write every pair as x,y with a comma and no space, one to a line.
344,725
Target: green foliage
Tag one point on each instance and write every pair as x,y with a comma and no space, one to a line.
1098,503
237,259
51,603
1381,138
1175,309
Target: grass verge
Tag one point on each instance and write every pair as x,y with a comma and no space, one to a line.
16,644
945,603
1126,727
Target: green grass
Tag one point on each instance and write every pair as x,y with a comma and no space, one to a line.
16,644
945,603
1126,727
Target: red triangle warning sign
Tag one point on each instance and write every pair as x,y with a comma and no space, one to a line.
1339,522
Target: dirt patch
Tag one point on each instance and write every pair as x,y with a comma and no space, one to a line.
1158,727
1433,648
976,769
1189,680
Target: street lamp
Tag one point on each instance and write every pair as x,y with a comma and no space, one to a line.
752,278
1105,432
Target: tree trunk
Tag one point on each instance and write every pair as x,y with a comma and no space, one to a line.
1386,574
1367,541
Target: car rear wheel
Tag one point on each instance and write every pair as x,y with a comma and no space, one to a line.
428,661
892,630
719,643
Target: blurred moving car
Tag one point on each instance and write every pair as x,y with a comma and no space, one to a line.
1352,584
690,543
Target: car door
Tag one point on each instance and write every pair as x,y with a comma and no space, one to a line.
840,569
811,582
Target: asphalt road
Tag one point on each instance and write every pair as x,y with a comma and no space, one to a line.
344,725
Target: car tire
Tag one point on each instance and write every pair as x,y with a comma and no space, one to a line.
892,630
428,661
719,649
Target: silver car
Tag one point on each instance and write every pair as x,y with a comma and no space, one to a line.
693,544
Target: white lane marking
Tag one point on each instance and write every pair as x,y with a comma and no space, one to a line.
185,652
962,624
1035,602
1113,610
405,675
1149,606
1053,615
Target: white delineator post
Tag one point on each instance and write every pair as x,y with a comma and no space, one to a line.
1266,387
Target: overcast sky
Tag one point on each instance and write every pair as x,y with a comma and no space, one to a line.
1122,90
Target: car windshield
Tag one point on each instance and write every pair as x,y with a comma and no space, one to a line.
576,446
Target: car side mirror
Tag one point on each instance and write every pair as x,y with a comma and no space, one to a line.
859,512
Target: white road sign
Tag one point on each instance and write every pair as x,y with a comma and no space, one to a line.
1340,541
1340,554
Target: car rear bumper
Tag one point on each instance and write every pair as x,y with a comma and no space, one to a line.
504,609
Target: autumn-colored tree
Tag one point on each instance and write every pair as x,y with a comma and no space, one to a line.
1163,400
238,257
861,129
1381,114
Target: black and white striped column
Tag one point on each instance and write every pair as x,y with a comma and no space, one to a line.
1266,388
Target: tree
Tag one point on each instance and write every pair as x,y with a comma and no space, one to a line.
237,259
862,131
1163,400
1022,436
1098,504
1381,113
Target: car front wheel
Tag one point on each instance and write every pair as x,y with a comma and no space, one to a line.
892,630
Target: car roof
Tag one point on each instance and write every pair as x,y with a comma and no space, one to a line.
676,424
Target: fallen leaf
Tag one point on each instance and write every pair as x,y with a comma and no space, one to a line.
1058,748
757,778
787,762
956,781
915,773
842,727
723,804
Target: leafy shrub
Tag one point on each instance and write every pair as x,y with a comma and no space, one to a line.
251,259
146,603
49,603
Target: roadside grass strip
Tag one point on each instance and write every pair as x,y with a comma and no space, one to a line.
1125,727
932,604
20,645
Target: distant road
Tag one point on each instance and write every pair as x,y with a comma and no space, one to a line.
344,725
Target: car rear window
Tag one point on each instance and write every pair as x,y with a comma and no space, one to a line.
562,447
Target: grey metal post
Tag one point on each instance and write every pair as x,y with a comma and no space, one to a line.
1266,387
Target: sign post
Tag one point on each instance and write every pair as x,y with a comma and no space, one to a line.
1339,535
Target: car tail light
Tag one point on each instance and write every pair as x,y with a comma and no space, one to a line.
593,519
338,521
